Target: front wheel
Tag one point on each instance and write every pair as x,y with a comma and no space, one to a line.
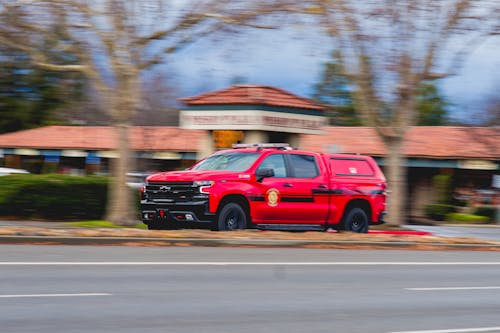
231,217
356,221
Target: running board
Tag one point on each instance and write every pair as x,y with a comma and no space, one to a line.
293,227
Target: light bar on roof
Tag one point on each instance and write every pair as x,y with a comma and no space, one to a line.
285,146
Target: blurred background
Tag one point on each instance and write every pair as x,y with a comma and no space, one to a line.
96,95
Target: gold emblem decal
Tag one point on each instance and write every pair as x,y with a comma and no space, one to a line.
273,197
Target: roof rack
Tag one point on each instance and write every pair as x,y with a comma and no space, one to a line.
260,146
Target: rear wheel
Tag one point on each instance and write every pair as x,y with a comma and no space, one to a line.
356,220
231,217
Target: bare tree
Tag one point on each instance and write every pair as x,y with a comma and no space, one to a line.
389,48
494,112
489,113
159,102
116,42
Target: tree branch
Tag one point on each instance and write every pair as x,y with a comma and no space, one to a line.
60,68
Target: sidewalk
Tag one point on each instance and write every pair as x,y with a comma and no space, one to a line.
34,232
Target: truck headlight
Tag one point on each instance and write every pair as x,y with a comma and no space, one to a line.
204,185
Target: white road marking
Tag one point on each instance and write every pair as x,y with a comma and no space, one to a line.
453,288
239,263
457,330
55,295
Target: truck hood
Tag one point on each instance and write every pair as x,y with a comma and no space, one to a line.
191,175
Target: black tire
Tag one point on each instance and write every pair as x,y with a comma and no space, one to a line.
231,217
355,221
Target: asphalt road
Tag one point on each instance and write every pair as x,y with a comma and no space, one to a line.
170,289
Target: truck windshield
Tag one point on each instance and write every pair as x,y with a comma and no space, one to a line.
236,161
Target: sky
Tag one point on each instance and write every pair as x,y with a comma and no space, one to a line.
294,62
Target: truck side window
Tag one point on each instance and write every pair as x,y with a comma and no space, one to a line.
304,166
277,163
351,167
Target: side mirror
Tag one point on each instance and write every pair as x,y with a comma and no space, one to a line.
264,173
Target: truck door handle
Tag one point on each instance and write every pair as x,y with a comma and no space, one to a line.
321,189
287,185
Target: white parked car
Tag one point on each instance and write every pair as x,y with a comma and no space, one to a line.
136,180
9,171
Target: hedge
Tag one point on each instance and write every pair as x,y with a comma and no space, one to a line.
462,217
53,196
489,211
438,212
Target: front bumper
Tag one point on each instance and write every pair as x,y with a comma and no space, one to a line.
175,214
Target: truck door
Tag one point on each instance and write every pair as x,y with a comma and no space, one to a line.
298,193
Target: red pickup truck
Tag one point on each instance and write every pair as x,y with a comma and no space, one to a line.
268,186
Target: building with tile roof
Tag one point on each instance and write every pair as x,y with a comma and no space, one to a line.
79,148
252,114
103,138
423,142
471,155
254,95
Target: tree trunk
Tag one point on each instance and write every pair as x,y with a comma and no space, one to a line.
120,208
396,178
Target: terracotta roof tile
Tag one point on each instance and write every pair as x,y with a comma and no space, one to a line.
253,95
103,138
422,141
425,142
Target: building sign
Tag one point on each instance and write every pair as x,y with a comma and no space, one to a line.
27,152
51,159
92,158
74,153
166,155
51,156
252,120
477,165
108,154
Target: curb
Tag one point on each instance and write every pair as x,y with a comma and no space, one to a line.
400,232
61,240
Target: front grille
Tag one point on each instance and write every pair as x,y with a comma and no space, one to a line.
172,192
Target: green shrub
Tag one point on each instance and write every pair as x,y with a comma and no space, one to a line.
438,212
102,224
467,218
53,196
489,211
